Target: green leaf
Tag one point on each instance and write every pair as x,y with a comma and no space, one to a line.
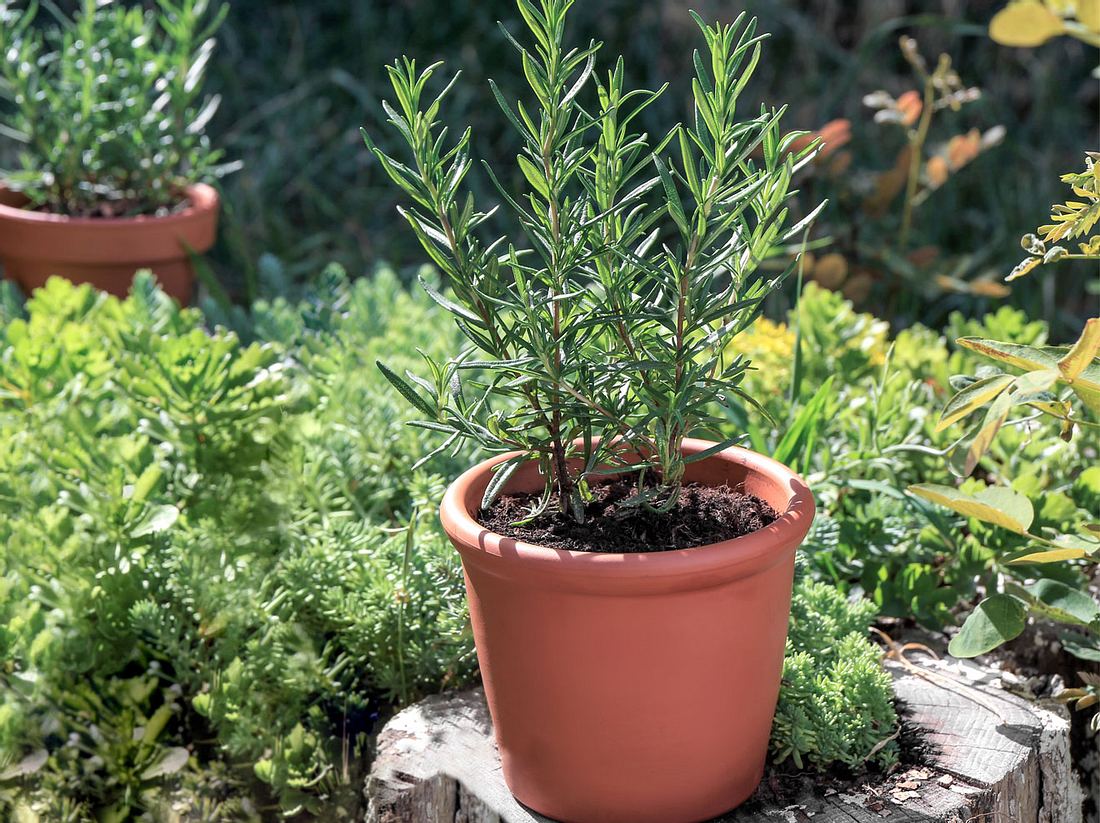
1034,382
995,417
534,176
690,172
713,450
971,398
170,762
406,390
145,483
800,438
1029,358
1063,603
446,302
672,197
501,475
156,520
1080,650
996,620
996,504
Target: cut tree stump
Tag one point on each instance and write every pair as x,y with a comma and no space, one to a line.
993,756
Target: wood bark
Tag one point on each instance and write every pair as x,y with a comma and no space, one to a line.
993,757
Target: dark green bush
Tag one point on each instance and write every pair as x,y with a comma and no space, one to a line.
298,80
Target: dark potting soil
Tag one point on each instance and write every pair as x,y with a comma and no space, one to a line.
116,208
702,515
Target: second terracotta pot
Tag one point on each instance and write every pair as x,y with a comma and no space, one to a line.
633,687
106,251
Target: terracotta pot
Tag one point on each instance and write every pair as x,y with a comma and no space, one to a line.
106,251
633,687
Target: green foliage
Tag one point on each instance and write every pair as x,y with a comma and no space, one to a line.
867,401
298,79
609,314
1000,617
1054,378
109,105
216,543
836,701
1072,220
1040,552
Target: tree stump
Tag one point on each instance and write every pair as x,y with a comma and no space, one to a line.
993,756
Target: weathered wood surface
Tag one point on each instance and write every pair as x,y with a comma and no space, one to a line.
995,757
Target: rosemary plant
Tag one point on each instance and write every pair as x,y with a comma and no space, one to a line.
600,328
109,104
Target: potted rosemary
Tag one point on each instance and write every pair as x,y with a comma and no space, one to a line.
114,168
629,583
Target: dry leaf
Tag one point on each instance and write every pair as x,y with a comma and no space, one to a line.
909,105
858,287
962,148
889,184
936,171
831,270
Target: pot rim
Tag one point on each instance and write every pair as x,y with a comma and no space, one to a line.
737,557
203,197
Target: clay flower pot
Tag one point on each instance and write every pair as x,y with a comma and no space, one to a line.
105,251
633,687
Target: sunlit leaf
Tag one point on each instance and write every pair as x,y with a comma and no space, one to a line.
971,398
1025,23
157,519
996,620
1088,14
1030,358
1051,556
995,417
1083,352
170,762
996,504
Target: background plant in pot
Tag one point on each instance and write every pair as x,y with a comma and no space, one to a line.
114,166
637,683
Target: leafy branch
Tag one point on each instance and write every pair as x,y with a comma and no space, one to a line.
605,316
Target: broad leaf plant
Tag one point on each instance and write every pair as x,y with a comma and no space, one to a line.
1058,382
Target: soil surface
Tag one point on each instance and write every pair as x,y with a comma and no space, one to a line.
797,790
116,208
702,515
